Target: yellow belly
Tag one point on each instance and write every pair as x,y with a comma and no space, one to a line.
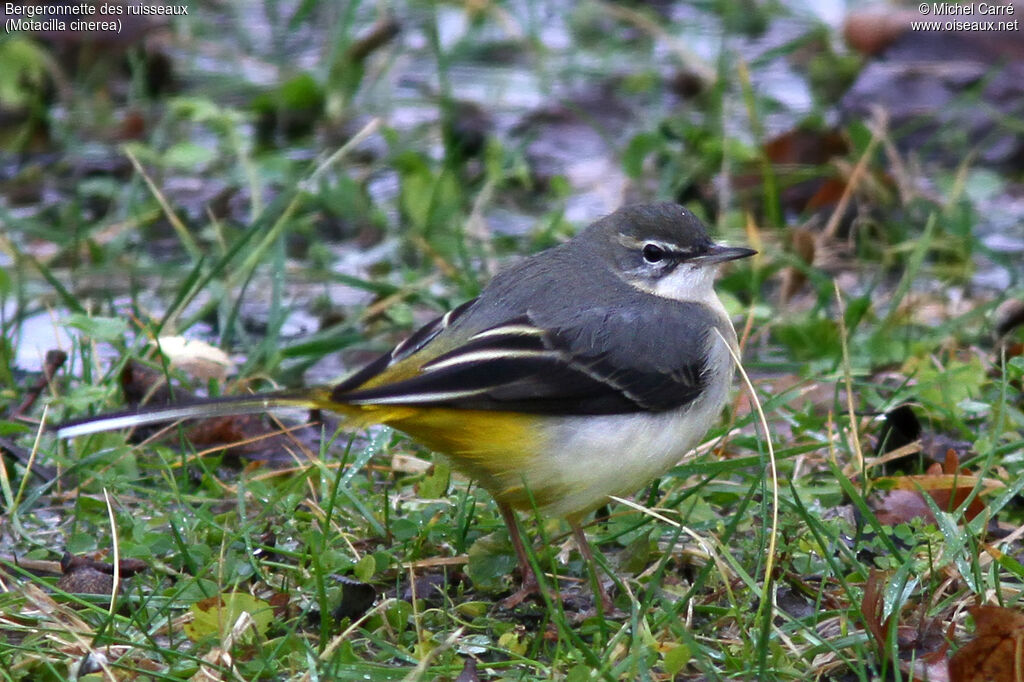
562,466
502,451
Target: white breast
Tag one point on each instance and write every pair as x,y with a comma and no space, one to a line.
591,458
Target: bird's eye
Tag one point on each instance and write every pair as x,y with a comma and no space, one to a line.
653,253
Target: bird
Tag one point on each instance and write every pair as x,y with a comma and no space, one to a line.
580,373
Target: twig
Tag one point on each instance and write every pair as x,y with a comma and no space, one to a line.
55,359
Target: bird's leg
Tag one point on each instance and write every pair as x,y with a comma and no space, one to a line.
529,584
588,558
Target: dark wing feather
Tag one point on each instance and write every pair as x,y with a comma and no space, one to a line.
416,342
589,368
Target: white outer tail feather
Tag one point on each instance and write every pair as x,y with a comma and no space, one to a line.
218,407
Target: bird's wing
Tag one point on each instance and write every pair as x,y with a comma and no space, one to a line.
527,366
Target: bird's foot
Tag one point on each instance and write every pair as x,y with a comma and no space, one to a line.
608,608
575,599
529,587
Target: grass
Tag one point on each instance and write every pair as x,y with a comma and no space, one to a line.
777,551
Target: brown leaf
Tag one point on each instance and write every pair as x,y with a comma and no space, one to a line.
378,35
791,154
828,194
996,654
132,126
145,385
921,639
54,361
802,243
901,506
871,31
228,429
280,602
469,673
805,146
1008,316
946,483
929,669
251,438
872,607
961,484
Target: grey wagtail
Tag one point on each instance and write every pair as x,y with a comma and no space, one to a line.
582,372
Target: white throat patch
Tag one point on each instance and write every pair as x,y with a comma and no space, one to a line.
694,283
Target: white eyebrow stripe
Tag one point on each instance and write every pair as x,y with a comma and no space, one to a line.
510,330
671,247
487,355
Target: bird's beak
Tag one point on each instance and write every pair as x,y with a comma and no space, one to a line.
719,253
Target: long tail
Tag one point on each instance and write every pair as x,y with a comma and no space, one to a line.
311,398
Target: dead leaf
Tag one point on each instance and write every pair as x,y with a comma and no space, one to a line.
960,486
196,358
872,607
55,359
901,506
1008,316
829,193
947,484
922,640
802,243
791,154
806,147
996,654
871,31
407,464
469,673
143,385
